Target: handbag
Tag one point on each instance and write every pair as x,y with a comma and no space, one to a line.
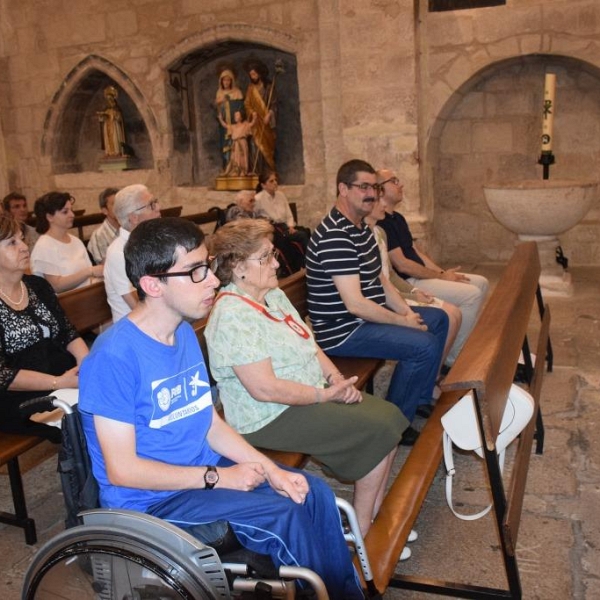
461,429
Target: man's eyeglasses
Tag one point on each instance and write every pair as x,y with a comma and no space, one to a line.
267,257
393,180
197,274
366,187
152,204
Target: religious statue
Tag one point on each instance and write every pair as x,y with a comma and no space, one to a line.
228,100
238,132
261,99
111,119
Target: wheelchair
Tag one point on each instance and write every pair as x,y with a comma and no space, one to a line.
114,554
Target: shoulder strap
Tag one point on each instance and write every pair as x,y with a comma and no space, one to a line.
450,472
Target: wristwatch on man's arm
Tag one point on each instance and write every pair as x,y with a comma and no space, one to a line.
211,477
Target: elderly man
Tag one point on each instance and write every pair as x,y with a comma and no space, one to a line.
16,205
467,291
103,236
243,207
356,311
134,204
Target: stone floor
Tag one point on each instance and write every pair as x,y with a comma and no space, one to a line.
560,534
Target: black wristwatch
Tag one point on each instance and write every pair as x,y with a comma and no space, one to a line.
211,477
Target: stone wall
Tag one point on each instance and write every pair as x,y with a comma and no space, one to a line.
448,99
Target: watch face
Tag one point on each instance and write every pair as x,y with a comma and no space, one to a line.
211,477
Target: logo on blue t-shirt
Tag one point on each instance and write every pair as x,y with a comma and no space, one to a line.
180,396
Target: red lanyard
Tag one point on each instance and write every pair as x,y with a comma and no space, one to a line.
288,319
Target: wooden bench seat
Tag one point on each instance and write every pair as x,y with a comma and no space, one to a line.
486,365
11,447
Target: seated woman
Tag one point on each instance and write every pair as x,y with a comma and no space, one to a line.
278,388
40,351
243,207
413,296
273,204
57,255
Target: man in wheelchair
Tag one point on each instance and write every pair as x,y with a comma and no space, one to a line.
158,446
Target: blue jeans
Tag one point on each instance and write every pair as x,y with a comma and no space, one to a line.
419,354
307,535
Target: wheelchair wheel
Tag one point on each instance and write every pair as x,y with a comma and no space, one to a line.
106,562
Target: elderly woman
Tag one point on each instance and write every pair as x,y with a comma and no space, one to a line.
279,390
57,255
40,351
243,207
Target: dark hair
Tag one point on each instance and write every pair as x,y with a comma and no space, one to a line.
347,172
236,241
152,247
105,195
12,196
46,205
263,177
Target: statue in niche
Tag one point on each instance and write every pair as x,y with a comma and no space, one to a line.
229,99
261,100
239,132
111,120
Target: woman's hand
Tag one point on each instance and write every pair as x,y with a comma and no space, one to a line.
342,391
244,476
69,379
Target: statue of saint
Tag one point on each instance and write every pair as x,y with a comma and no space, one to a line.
111,119
239,131
261,99
228,100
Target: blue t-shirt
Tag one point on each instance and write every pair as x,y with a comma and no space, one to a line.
163,391
338,247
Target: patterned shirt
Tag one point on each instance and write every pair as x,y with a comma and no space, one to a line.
338,247
101,239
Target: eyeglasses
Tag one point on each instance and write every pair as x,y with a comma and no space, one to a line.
267,257
152,204
197,274
393,180
366,187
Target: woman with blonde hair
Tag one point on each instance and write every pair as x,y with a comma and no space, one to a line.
278,388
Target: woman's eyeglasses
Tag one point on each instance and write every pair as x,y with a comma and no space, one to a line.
267,257
197,274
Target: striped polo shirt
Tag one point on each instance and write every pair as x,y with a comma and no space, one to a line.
338,247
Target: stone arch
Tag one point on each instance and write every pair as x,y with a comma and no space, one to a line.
489,129
70,136
192,82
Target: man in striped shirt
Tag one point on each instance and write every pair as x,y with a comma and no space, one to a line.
356,311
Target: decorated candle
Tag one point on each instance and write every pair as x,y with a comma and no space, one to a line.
548,115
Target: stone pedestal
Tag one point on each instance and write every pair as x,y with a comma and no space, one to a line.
539,210
117,163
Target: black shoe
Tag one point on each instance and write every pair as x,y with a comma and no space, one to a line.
409,437
424,410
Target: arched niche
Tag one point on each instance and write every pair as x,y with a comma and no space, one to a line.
192,85
72,133
490,130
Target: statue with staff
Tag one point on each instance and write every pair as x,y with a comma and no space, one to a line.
261,100
112,126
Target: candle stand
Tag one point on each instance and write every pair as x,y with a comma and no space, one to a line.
546,159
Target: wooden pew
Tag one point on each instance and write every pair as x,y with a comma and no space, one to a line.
86,307
11,447
486,365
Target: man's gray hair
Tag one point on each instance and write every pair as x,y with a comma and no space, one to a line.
244,195
126,201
